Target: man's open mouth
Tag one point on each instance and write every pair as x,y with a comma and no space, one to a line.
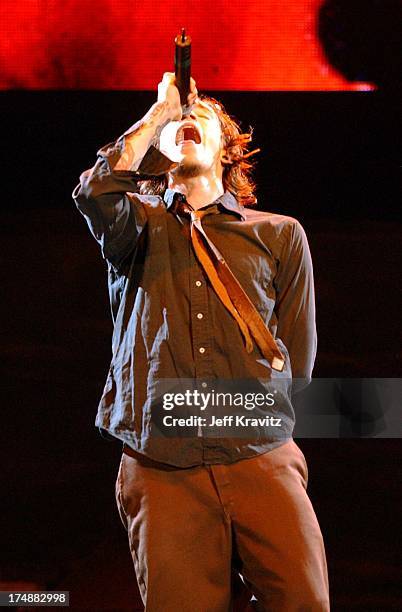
188,132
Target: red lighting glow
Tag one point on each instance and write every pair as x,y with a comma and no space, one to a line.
117,44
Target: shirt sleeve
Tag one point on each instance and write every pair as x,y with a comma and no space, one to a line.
106,198
295,305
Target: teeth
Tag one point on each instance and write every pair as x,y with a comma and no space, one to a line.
188,132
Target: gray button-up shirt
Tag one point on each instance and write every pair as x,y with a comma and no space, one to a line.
173,335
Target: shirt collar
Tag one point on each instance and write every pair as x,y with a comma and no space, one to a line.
226,201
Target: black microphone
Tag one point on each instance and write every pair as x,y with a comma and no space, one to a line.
182,66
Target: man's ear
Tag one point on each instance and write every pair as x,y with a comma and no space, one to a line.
226,159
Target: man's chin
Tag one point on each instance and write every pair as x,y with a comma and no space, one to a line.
188,169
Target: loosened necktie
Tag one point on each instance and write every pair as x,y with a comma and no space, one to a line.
229,290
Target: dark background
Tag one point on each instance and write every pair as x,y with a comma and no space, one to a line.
329,159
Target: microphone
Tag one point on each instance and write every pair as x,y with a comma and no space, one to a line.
182,66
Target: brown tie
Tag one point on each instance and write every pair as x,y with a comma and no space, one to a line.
229,290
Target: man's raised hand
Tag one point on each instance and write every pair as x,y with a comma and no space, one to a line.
168,92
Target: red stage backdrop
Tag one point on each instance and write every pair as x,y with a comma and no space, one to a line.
123,44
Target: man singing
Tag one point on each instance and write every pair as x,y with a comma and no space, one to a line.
206,294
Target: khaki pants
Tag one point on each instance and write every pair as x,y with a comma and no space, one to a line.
183,525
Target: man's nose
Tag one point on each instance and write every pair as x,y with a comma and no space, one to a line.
188,112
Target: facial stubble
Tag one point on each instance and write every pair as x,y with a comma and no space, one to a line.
187,170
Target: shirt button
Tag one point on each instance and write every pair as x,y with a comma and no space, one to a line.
204,384
198,283
199,315
201,349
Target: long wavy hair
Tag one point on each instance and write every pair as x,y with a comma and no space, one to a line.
237,169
